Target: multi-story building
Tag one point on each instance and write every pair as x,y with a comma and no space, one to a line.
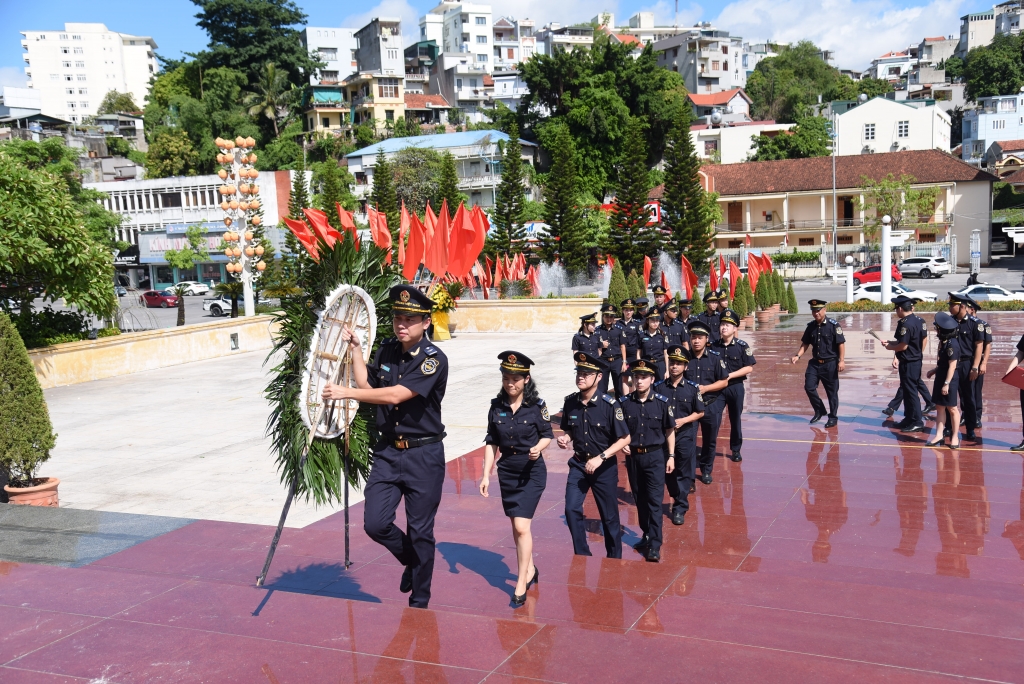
708,59
731,143
641,26
1008,18
753,53
976,29
128,127
75,68
884,125
935,51
996,118
460,27
419,60
477,161
380,48
554,37
375,98
509,88
514,42
891,66
733,105
336,47
464,83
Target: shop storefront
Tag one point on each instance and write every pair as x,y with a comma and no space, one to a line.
152,246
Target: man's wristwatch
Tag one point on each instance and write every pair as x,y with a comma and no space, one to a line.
974,368
603,456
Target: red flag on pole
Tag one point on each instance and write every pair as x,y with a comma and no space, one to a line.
713,275
766,261
403,230
688,277
416,249
318,220
664,284
306,238
747,240
488,271
520,266
348,224
436,257
647,272
500,273
611,261
456,242
721,268
734,278
753,271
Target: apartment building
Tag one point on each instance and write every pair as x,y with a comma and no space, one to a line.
380,48
336,47
995,119
1007,22
891,66
514,41
640,26
753,53
459,27
554,37
420,58
731,143
884,125
74,68
465,84
976,29
709,59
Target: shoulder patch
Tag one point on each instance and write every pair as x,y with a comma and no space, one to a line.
839,329
544,413
570,396
661,397
833,321
949,351
659,382
722,362
749,351
691,382
429,366
618,413
430,351
981,327
741,342
609,398
712,351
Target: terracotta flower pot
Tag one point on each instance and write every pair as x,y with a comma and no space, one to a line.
775,308
748,321
763,316
40,495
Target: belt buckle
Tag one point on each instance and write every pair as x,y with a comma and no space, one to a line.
401,444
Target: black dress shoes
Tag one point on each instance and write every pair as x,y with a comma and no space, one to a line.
706,478
971,436
914,428
817,417
735,457
406,585
1019,447
929,408
641,546
832,422
888,411
653,555
679,515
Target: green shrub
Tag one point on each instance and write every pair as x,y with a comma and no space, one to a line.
866,305
48,326
636,286
26,435
108,332
795,257
792,306
515,288
617,288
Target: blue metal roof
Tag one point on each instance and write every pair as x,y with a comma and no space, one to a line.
437,142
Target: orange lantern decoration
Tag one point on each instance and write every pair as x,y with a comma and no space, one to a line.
260,266
228,252
227,220
254,204
259,250
240,141
236,251
254,189
252,158
224,205
249,251
243,205
222,174
233,204
254,174
255,220
248,236
250,142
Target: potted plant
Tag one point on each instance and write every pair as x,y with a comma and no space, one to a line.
26,435
455,290
443,306
762,299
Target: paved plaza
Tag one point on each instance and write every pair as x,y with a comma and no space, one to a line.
853,554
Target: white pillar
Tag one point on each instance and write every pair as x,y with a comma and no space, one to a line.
785,212
849,279
823,210
746,215
886,291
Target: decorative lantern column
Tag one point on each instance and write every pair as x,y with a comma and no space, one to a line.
241,204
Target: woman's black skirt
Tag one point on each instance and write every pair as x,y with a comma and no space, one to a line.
522,482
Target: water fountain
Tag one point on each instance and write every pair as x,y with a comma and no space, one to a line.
552,279
671,268
606,280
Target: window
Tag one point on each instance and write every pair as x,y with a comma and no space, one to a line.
83,91
387,87
806,242
71,105
1008,105
66,65
328,54
64,50
481,21
511,53
76,37
327,122
69,91
353,58
472,83
63,36
329,76
714,65
81,77
710,147
725,49
69,77
998,124
844,240
903,129
392,53
458,83
79,51
84,105
74,119
389,114
869,131
481,58
481,39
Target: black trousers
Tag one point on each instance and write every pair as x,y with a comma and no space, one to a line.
611,378
910,379
647,479
827,374
709,425
682,476
968,409
922,390
733,396
978,385
416,474
605,484
1022,410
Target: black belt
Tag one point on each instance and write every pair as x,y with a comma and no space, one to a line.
583,458
505,453
410,442
824,360
646,449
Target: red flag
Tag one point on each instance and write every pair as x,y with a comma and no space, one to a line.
766,261
436,257
416,249
647,271
734,278
305,237
533,275
481,225
403,230
611,261
713,275
499,273
520,266
318,220
688,277
721,267
664,284
785,240
747,240
456,242
753,271
488,271
349,226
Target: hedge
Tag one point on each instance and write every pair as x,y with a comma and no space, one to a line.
866,306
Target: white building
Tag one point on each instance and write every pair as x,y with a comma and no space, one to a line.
641,26
731,143
465,83
753,53
994,119
709,60
460,28
509,88
1008,18
884,125
16,103
75,68
976,29
891,66
514,42
334,46
554,37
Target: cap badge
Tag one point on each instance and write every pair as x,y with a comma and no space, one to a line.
512,358
403,296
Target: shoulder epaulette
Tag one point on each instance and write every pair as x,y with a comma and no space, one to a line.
691,382
661,396
712,351
609,398
495,401
430,351
540,402
833,321
659,382
389,340
741,342
570,396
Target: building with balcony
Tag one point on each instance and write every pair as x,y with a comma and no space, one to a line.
1007,18
419,60
465,83
708,59
554,37
891,66
936,50
731,143
640,26
514,42
790,201
996,118
509,88
336,47
155,214
1004,157
976,29
884,125
326,109
129,127
375,98
753,53
477,161
733,105
426,109
460,27
380,48
74,68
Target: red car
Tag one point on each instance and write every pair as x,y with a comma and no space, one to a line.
153,298
873,274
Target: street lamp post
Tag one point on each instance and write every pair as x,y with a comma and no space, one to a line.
886,293
241,205
834,134
849,279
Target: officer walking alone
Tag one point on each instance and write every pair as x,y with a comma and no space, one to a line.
911,333
594,424
824,336
739,362
687,409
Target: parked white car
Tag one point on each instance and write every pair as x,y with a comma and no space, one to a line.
924,267
873,291
983,292
193,288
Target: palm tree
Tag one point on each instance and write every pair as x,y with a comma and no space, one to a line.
233,289
271,95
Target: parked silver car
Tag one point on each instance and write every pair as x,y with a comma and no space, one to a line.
924,267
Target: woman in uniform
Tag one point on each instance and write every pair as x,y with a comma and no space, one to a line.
944,392
586,340
653,343
518,427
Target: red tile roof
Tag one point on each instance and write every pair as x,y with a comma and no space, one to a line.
488,80
1008,145
766,122
933,39
417,101
714,99
893,54
627,39
796,175
1015,178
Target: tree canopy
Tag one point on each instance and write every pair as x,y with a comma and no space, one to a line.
994,69
809,138
117,103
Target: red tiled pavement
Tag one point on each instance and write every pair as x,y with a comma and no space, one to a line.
847,554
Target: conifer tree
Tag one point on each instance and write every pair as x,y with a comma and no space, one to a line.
566,237
636,285
331,192
681,163
448,186
632,237
791,303
618,290
383,196
508,232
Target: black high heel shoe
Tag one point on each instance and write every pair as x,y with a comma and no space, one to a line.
939,442
519,599
536,578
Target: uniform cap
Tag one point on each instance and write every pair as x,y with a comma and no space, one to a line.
514,362
678,353
585,361
729,316
407,299
960,298
608,308
628,304
589,318
669,306
945,322
698,328
658,290
904,302
720,296
642,301
817,304
654,312
686,303
640,366
711,296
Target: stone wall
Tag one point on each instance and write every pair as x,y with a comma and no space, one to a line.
523,315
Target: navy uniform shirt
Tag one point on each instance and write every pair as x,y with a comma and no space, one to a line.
631,334
737,354
517,433
675,332
424,370
616,338
649,421
987,338
910,331
824,338
970,332
686,400
714,323
595,426
653,346
590,345
706,369
950,350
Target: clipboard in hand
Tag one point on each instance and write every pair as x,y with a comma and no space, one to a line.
1015,378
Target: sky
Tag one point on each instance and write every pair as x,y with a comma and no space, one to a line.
857,30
